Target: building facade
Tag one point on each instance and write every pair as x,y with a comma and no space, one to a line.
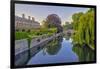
22,23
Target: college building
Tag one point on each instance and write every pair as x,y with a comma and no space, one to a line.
24,24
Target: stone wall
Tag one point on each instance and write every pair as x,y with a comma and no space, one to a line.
21,45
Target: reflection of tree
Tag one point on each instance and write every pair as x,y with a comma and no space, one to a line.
84,53
54,46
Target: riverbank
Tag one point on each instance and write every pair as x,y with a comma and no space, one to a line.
22,45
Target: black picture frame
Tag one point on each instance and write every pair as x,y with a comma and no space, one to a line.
12,30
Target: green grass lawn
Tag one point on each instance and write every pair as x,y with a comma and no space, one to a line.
21,35
34,33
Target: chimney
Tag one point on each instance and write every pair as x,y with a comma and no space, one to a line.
33,19
23,15
29,17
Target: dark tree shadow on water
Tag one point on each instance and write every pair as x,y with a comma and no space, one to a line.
84,53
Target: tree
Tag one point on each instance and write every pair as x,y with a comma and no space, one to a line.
44,24
54,21
83,24
68,26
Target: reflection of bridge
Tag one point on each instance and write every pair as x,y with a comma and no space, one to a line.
23,52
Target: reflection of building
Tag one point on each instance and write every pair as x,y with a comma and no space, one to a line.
21,23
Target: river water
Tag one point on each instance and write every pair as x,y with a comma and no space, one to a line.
59,50
60,54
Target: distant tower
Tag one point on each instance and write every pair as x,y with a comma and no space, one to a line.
23,15
33,19
29,17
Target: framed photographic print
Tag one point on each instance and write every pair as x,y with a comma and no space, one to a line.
50,34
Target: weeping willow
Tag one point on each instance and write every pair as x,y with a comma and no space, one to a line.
83,25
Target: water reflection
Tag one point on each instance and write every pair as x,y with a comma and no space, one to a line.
84,53
59,50
22,58
67,36
54,46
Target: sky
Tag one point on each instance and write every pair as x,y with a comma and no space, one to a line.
40,12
